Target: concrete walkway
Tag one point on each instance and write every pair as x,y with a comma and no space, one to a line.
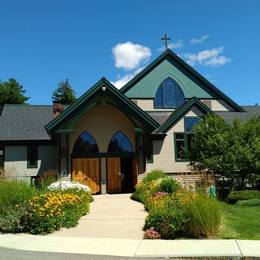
231,249
111,216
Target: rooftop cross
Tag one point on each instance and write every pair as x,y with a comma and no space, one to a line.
166,38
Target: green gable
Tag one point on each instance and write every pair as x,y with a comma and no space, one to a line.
148,85
103,89
168,64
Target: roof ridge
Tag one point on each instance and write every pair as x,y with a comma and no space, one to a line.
181,111
28,105
187,67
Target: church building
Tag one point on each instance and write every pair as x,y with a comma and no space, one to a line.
110,138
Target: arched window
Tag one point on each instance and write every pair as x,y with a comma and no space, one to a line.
169,95
85,144
119,144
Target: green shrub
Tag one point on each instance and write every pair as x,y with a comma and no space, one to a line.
154,175
72,213
235,196
144,191
168,185
13,202
13,193
251,202
10,219
49,211
204,217
168,218
47,178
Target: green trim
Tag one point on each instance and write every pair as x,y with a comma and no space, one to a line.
2,148
65,131
169,54
58,121
175,146
158,136
101,155
176,115
36,164
150,147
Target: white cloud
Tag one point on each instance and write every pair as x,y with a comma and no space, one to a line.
175,45
199,40
121,81
210,57
218,61
129,55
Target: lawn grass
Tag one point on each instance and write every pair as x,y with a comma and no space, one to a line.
240,222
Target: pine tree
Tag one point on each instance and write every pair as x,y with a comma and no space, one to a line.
11,92
64,93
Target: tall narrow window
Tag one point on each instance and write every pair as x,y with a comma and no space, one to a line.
32,156
183,141
179,146
1,156
85,144
169,95
119,144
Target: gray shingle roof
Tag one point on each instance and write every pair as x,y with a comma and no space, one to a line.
229,117
27,122
24,122
159,117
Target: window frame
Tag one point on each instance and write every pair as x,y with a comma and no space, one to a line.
85,154
161,87
29,166
149,151
120,152
185,139
175,146
190,117
2,148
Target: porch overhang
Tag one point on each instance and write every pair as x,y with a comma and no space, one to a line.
102,93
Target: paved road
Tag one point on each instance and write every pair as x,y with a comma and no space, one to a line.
111,216
10,254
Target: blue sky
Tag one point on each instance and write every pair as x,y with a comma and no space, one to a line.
44,42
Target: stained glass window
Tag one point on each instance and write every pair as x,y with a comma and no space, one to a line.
169,95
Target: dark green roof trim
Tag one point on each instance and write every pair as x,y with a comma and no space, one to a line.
170,54
180,112
59,120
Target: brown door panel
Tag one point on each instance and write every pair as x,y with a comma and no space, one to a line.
113,175
87,171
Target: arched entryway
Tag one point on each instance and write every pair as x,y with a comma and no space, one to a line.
86,162
121,164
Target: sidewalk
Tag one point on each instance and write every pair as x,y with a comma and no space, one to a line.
132,248
110,216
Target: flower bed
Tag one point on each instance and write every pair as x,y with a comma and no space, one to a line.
175,211
40,211
67,185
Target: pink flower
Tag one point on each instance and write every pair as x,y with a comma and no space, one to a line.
151,234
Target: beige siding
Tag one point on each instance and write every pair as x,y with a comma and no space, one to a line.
102,122
16,160
145,104
217,105
164,151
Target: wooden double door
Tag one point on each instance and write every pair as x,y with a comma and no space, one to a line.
87,171
121,174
